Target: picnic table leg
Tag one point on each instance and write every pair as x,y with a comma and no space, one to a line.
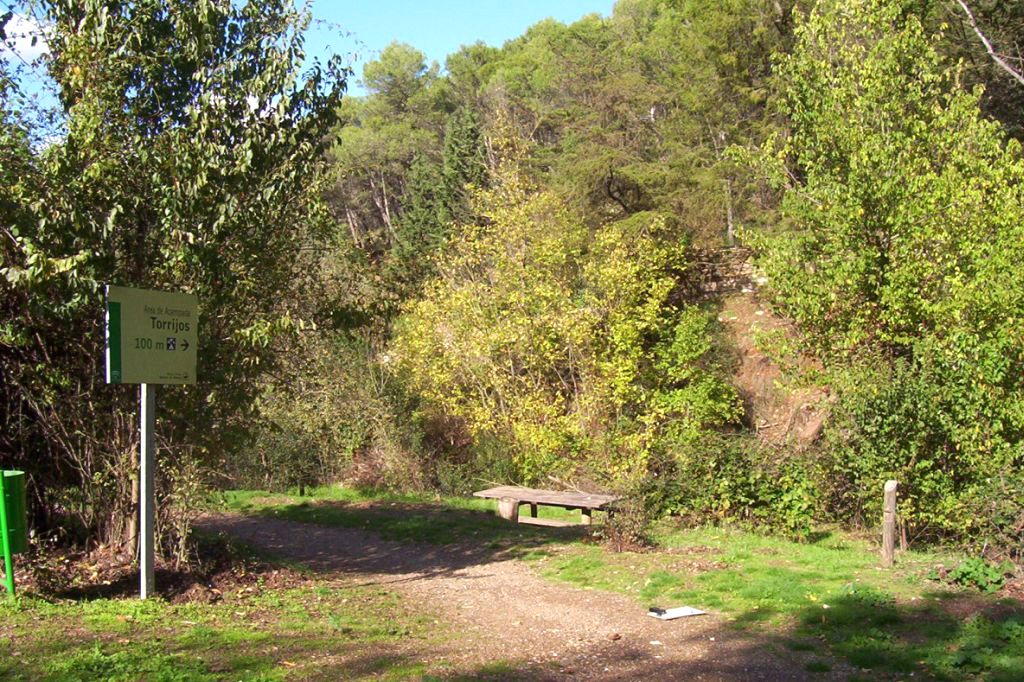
508,508
587,518
533,510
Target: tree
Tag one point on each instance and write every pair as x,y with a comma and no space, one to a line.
962,39
402,119
401,78
467,70
899,260
463,164
423,225
191,161
984,33
436,196
636,112
557,345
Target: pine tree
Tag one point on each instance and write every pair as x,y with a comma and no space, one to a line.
423,226
463,164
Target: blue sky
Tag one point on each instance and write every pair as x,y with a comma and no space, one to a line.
436,28
360,30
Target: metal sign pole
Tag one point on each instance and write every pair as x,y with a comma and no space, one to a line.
147,504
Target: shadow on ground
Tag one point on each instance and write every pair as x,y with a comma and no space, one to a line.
411,542
942,635
334,656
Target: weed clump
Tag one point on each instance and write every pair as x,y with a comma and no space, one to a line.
980,574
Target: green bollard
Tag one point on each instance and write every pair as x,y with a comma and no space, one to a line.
17,516
13,521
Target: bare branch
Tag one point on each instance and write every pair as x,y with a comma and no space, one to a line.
1006,66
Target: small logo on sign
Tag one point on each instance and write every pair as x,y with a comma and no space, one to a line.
172,342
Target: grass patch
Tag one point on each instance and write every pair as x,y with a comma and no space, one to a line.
829,597
141,662
322,631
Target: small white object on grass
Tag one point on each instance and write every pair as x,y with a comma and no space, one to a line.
671,614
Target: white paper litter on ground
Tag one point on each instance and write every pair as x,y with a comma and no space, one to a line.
678,612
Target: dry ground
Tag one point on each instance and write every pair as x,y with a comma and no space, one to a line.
501,611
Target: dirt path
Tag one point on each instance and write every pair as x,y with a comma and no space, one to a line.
503,611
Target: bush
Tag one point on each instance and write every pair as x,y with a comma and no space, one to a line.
628,526
935,432
980,574
561,341
484,466
628,529
736,479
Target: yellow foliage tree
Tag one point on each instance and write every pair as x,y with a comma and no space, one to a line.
548,335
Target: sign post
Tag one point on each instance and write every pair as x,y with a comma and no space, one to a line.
151,339
147,495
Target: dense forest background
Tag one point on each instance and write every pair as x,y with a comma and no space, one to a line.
492,271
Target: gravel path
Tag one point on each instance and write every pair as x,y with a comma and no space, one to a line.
503,611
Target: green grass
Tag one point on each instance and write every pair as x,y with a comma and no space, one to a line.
821,600
827,598
323,631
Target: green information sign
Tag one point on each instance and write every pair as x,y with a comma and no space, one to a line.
151,337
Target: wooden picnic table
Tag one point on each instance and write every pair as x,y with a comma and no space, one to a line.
511,496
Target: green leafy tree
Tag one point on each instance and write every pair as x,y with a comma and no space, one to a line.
423,225
467,71
436,196
899,259
636,112
1001,70
190,162
381,135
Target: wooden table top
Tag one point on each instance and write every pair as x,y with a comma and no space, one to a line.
549,497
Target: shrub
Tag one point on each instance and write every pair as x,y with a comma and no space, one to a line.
736,479
560,341
980,574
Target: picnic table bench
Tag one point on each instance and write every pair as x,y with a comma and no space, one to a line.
509,498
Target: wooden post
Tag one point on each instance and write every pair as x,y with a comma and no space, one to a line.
889,523
508,508
533,510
